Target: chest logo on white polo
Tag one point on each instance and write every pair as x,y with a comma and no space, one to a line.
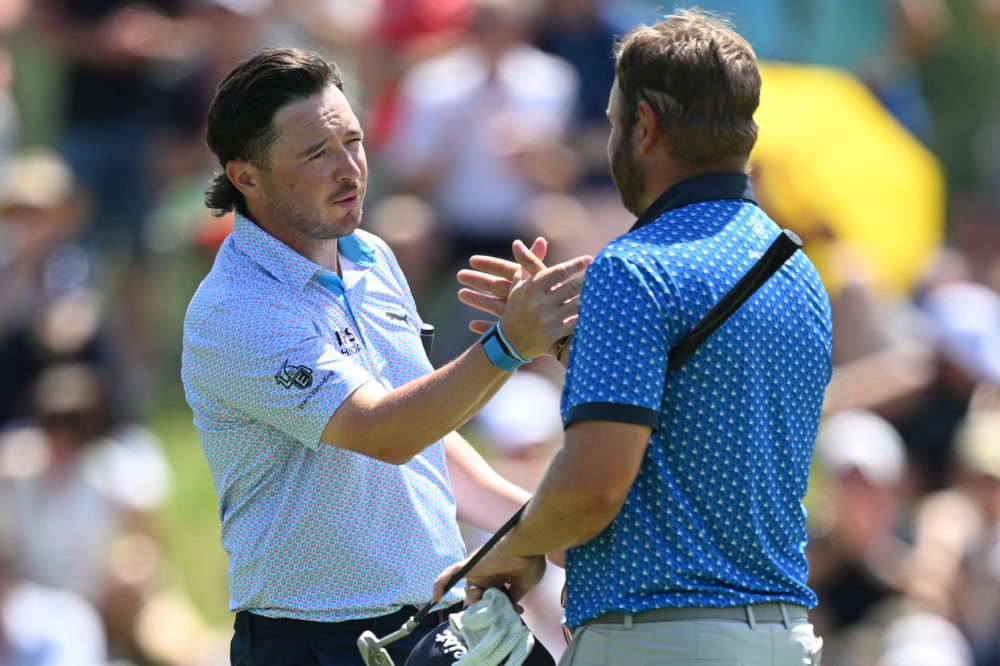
298,376
395,315
347,342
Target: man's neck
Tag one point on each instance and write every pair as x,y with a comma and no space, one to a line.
322,253
662,179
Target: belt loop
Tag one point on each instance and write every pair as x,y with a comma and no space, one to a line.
440,614
628,620
784,615
751,620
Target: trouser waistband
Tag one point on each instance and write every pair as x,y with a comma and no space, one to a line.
771,612
259,625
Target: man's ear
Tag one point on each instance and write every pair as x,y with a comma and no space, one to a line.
648,126
245,177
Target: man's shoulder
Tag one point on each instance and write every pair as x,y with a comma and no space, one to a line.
233,285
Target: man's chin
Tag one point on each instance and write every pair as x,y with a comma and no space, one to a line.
349,223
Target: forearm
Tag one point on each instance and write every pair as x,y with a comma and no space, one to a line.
563,513
396,425
484,499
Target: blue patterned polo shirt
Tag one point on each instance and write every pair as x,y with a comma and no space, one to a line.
273,344
714,517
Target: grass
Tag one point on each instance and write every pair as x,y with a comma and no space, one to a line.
190,523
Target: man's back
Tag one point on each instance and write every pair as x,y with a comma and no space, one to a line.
714,517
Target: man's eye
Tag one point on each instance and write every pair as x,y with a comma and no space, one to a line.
318,155
356,139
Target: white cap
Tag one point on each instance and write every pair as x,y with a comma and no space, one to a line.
966,319
923,639
858,439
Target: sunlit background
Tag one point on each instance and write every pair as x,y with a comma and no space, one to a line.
879,145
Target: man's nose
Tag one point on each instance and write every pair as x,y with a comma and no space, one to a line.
348,167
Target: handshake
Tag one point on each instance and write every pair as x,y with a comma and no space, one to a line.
537,306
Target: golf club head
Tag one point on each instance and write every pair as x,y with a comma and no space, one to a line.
371,653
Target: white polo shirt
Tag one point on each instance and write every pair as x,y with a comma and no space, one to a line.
273,343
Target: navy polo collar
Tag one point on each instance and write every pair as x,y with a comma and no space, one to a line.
708,187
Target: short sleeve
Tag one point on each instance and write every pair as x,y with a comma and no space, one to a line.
618,361
269,363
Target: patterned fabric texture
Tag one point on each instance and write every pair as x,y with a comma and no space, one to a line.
714,517
272,345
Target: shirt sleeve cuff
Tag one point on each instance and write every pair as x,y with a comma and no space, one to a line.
611,411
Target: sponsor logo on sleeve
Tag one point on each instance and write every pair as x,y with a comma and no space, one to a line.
299,376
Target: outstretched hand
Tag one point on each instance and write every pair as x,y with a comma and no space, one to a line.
549,300
491,281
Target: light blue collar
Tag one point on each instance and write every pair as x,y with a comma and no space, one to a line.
289,266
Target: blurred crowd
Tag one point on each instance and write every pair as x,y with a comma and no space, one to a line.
485,122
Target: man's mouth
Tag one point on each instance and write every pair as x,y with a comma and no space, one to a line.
350,200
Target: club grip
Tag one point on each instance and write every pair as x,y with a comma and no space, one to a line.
427,339
783,247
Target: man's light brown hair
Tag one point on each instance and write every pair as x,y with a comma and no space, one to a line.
702,81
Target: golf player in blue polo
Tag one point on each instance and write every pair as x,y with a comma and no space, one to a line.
678,497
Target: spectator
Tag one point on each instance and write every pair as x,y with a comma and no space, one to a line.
76,496
480,128
855,558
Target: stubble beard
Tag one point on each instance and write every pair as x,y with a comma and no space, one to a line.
627,176
306,221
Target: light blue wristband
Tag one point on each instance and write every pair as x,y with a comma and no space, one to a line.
509,347
496,350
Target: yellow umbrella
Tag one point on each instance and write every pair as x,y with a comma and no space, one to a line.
830,156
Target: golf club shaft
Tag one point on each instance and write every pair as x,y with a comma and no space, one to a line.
474,560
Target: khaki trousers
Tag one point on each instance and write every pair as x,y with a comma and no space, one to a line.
694,643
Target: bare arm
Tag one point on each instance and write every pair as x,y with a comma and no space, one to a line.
582,492
485,499
394,426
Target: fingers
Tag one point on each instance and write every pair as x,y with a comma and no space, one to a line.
570,289
480,326
566,327
560,273
507,269
527,259
498,267
441,582
540,248
473,593
485,302
499,287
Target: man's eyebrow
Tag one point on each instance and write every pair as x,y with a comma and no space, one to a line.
313,148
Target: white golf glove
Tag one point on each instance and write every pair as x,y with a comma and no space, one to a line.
493,631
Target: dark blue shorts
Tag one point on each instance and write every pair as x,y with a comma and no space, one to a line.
263,641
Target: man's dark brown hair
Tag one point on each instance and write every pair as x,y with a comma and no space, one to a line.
240,120
702,81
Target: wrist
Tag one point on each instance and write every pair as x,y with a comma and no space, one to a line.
562,345
499,351
505,553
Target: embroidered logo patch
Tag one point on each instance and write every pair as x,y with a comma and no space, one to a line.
298,376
